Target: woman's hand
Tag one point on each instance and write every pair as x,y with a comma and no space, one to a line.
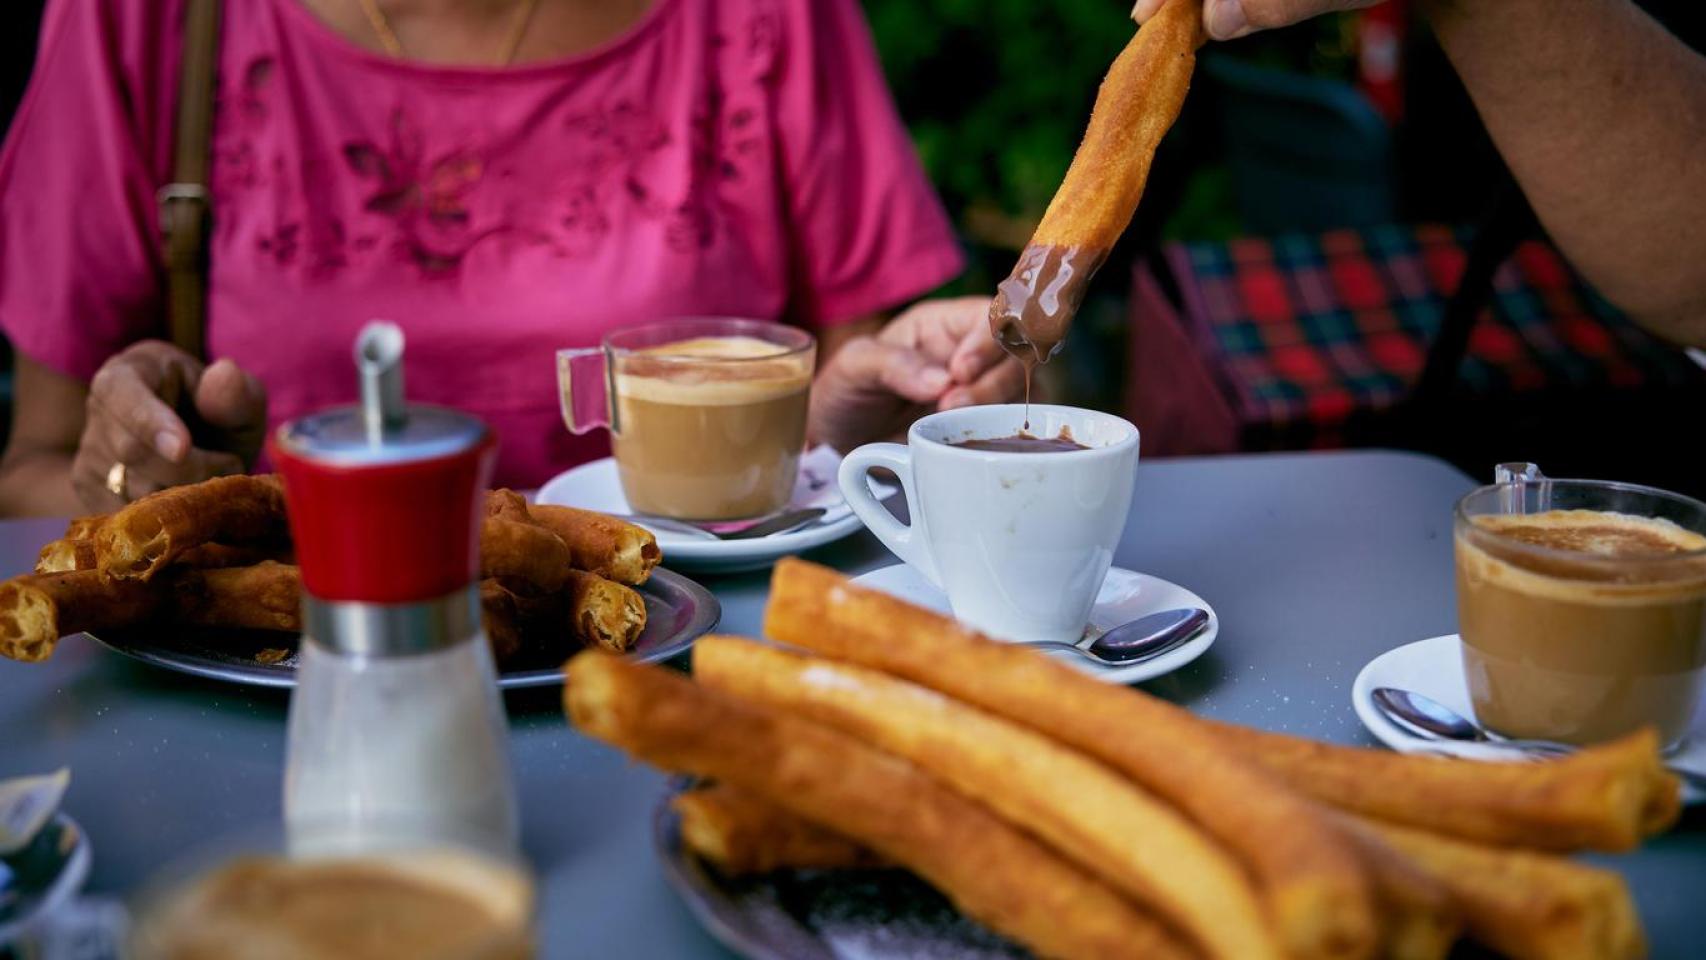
1227,19
132,419
935,356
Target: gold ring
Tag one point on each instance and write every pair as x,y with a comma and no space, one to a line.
115,480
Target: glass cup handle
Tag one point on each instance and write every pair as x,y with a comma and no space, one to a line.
1513,478
584,389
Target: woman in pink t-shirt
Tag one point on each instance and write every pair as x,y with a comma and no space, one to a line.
501,177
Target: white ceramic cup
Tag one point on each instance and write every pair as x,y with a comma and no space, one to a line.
1020,542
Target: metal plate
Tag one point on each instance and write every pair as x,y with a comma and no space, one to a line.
821,914
678,611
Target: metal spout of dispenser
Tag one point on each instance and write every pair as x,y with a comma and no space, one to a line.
379,358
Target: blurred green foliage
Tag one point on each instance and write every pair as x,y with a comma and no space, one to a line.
996,92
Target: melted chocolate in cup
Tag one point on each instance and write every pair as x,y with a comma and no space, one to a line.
1035,305
1023,442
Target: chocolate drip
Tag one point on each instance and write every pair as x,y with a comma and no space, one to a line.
1035,305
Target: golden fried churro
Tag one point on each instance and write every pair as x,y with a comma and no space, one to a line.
212,555
604,613
83,528
614,549
993,872
507,504
266,596
1527,905
37,609
523,552
1602,798
140,540
1136,843
505,622
63,556
1139,99
742,834
1314,885
1419,918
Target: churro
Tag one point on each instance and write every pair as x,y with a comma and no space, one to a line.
265,596
742,834
523,552
1315,887
1138,101
1603,798
140,540
1527,905
38,609
65,555
1136,843
993,872
604,613
614,549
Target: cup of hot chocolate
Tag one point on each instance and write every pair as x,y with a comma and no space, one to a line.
707,417
1018,528
1582,607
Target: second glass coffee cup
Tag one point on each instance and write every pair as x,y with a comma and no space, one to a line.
1582,607
707,416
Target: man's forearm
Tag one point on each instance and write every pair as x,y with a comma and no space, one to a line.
1601,115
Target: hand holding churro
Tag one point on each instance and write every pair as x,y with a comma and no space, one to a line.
1138,102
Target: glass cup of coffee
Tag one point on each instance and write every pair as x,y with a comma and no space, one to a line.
707,417
1582,607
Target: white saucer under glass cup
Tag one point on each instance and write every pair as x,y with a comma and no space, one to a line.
707,417
1019,541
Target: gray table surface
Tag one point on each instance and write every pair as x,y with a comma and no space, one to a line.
1315,563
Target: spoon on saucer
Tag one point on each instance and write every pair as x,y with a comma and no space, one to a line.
1137,640
1426,717
781,523
1429,719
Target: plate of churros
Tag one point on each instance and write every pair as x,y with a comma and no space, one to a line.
201,579
867,731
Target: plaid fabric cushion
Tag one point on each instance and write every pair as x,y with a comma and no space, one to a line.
1309,330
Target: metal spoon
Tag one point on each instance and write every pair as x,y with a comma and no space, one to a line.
1138,640
781,523
1432,720
1428,718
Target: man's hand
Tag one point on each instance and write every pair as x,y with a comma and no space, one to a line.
1227,19
936,356
133,419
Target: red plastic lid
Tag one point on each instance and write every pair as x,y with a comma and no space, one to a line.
392,521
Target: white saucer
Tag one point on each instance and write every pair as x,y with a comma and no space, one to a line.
1434,668
595,486
1124,597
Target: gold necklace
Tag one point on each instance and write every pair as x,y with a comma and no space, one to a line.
394,47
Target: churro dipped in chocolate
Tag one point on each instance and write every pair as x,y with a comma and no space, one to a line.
140,540
992,871
742,834
265,596
614,549
1076,805
1139,99
603,613
37,609
1313,884
1603,798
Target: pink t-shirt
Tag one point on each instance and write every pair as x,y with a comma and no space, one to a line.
724,157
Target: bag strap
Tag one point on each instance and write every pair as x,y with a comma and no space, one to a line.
184,201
